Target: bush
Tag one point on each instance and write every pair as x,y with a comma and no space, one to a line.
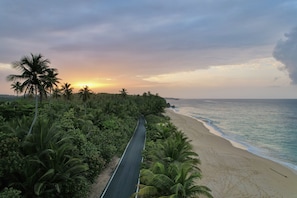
10,193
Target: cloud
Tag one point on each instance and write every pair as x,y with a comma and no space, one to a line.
143,37
286,52
5,70
255,73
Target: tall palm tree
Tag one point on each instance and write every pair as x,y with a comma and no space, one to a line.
67,90
17,87
34,70
124,92
56,92
85,93
51,80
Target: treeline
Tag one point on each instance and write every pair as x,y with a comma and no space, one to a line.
58,147
170,166
70,143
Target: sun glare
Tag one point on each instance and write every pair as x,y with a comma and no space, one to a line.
91,85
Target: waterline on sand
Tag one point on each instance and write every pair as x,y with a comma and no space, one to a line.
232,172
266,128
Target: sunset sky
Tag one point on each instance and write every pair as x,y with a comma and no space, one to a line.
176,48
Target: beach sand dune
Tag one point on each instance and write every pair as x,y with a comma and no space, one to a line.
232,172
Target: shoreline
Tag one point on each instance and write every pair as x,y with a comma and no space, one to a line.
215,132
234,172
244,146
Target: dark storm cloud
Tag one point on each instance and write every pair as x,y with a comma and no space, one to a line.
286,52
168,34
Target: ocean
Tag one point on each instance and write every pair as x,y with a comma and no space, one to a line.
265,127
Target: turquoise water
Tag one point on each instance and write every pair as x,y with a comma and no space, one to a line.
267,128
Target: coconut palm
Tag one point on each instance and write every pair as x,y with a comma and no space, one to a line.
34,72
163,131
51,80
184,180
124,92
56,93
155,182
67,90
85,93
17,87
175,181
178,148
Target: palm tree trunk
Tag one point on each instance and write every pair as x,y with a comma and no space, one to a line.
36,112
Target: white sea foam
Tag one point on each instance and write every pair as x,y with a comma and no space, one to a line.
216,131
266,128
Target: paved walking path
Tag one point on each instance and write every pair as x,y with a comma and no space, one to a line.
124,181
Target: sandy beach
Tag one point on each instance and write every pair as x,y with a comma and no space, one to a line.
232,172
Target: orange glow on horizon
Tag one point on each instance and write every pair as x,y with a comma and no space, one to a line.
91,85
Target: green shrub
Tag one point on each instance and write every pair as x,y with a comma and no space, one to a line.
10,193
94,160
77,188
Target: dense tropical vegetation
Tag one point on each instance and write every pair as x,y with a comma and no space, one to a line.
71,142
73,138
170,167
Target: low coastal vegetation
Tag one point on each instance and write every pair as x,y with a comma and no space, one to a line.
170,167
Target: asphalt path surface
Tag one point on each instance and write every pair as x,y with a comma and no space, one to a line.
123,182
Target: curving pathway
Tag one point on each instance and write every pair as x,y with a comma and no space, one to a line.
123,182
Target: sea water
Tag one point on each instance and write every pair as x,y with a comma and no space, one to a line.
267,128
